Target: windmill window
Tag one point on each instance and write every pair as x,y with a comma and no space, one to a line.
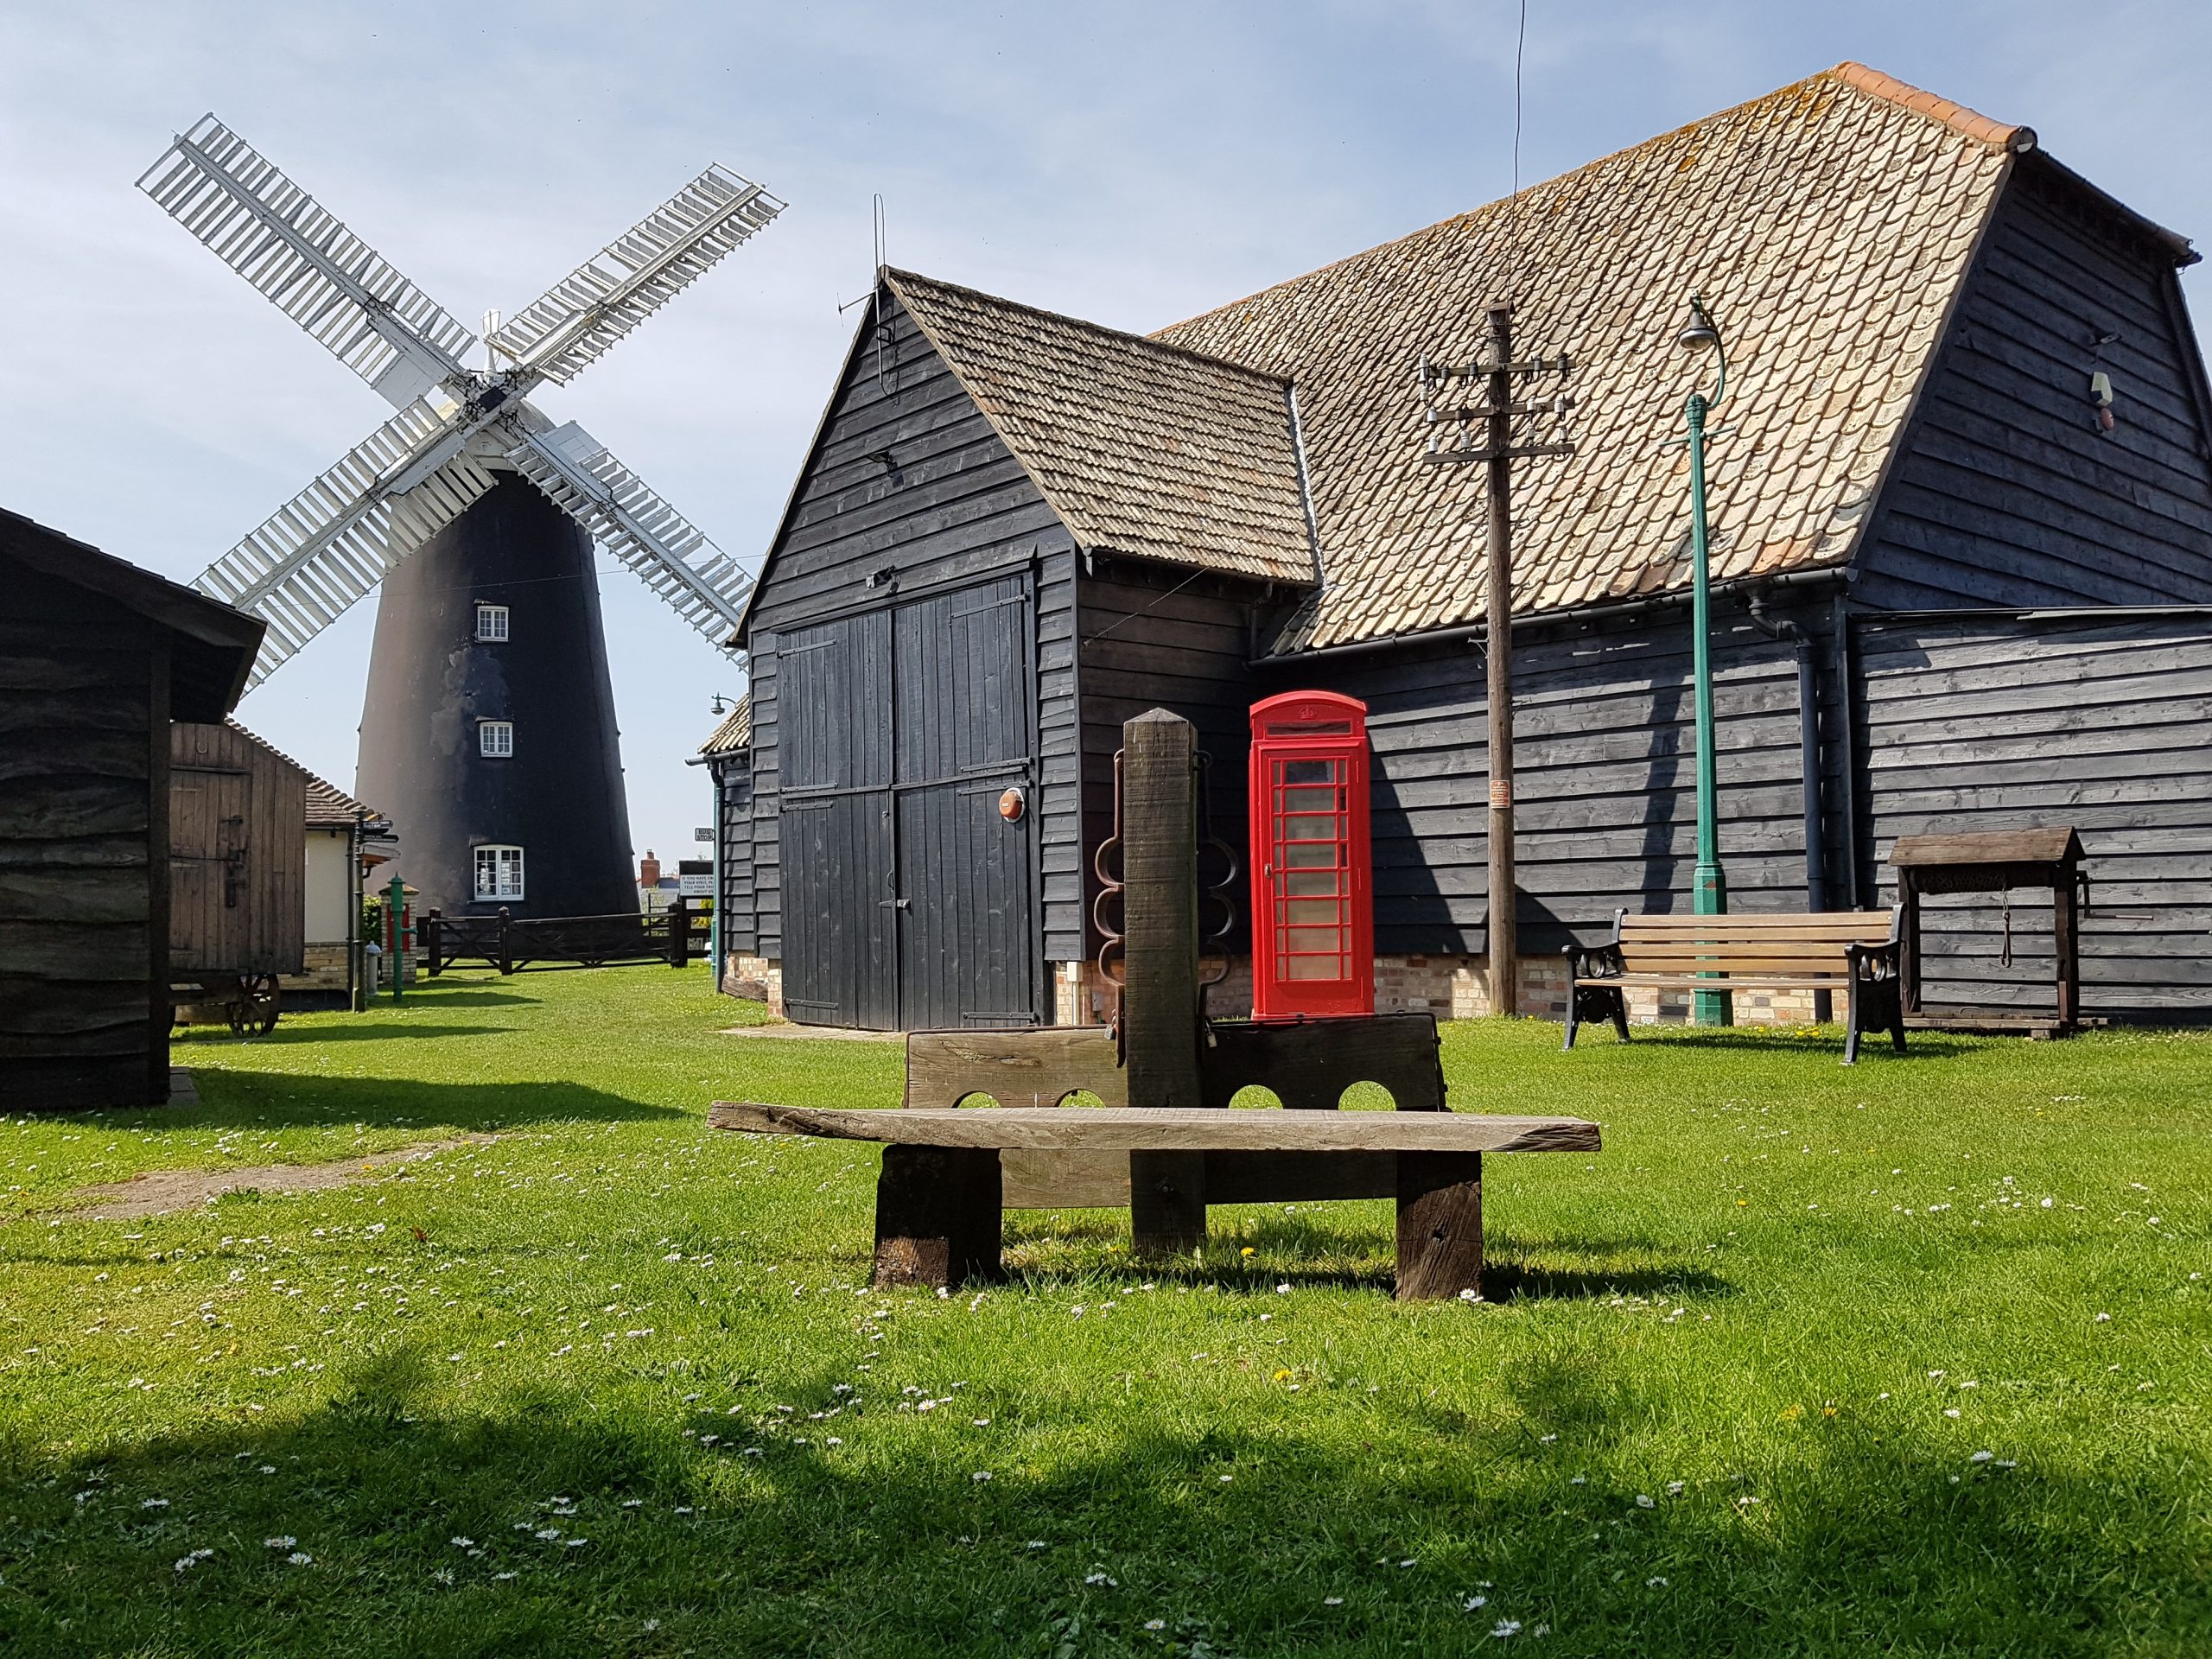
491,622
495,737
498,872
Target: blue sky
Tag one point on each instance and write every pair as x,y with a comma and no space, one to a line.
1134,163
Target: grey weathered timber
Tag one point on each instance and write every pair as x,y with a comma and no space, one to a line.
1856,951
237,854
1440,1224
1015,1068
937,1216
1996,861
1312,1065
941,1195
1160,999
1166,1129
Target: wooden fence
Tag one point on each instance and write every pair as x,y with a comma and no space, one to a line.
509,944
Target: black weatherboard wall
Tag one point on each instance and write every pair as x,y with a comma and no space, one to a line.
95,658
911,521
2010,492
2102,721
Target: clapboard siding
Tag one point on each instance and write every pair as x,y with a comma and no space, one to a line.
79,808
1604,760
2103,723
254,921
1158,638
909,490
2007,492
735,908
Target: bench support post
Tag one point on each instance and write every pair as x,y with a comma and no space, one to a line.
1440,1224
937,1216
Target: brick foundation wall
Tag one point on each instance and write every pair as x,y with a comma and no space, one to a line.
756,979
1451,987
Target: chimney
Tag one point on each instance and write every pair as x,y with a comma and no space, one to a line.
649,870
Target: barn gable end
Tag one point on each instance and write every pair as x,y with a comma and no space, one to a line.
2007,493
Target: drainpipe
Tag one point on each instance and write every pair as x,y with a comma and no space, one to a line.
1808,735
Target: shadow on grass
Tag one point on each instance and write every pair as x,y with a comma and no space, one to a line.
364,1029
284,1100
436,1528
1920,1048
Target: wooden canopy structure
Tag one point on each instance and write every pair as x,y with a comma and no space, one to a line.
1996,861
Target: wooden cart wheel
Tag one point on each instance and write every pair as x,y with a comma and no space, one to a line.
260,1001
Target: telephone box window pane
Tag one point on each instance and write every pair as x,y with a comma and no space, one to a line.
1312,854
1310,771
1326,884
1316,967
1314,910
1310,800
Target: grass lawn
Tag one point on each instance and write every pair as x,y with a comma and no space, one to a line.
1906,1358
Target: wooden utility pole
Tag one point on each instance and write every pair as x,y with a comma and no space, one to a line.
1502,930
1498,450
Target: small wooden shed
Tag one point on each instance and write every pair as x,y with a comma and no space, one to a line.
96,656
238,856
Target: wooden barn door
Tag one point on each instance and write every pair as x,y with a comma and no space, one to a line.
208,852
968,947
833,703
908,895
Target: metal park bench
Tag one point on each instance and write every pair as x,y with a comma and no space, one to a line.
940,1199
1853,951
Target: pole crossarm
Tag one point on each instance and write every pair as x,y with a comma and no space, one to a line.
1511,452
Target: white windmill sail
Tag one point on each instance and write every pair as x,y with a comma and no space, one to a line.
457,427
573,323
702,584
322,550
319,273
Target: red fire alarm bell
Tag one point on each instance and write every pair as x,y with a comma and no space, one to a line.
1313,903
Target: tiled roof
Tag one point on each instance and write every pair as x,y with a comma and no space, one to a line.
734,732
1828,226
1140,447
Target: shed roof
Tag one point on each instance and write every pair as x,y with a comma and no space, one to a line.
212,646
734,733
1829,226
1140,447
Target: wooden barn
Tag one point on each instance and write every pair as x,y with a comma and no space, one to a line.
238,857
1962,496
96,658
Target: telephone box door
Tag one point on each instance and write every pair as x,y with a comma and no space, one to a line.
1312,905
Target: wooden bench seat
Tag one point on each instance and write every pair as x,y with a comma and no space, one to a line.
1851,951
940,1199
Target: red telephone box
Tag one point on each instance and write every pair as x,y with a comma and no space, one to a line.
1312,902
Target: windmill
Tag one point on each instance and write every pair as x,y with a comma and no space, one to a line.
488,733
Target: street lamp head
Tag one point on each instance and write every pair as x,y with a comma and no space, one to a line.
1701,335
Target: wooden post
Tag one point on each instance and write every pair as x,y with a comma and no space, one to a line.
938,1216
1908,938
507,953
679,934
1501,930
2066,942
433,941
1160,1001
1440,1224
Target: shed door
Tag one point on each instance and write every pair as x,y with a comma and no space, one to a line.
908,897
208,854
968,947
833,701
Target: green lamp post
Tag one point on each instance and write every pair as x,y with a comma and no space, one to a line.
1711,889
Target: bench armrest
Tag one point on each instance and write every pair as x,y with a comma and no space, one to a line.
1872,961
1594,961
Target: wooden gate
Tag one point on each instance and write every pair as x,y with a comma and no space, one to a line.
908,841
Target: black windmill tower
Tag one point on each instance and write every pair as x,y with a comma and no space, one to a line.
488,733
